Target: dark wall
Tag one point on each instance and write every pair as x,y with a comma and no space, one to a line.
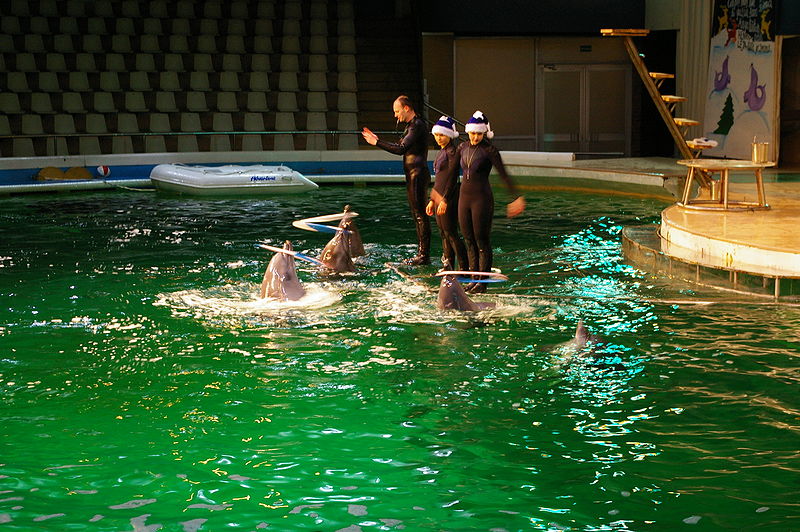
787,17
529,17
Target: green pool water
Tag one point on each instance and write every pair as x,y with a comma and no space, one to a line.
143,385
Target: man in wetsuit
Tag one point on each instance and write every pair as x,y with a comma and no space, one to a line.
413,146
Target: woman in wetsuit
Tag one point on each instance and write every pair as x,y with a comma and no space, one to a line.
476,201
444,196
413,146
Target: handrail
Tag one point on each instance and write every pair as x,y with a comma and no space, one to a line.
194,133
456,120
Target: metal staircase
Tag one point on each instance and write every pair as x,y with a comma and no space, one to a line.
665,104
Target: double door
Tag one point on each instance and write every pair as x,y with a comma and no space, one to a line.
584,109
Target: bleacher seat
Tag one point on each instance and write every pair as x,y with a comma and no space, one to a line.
39,26
9,103
318,10
17,82
159,9
265,9
185,9
347,82
292,9
41,104
317,81
316,122
226,102
95,123
126,123
345,9
139,81
347,122
198,81
104,9
264,27
159,123
145,63
260,63
125,26
290,44
78,82
229,82
212,9
262,44
26,62
202,62
68,25
9,25
287,102
234,44
96,26
103,102
209,26
64,43
174,63
346,44
48,82
130,9
196,102
318,27
257,102
152,26
346,63
258,81
76,8
317,102
168,81
109,81
221,122
239,10
92,43
236,27
290,63
135,103
232,63
115,62
179,44
207,44
318,44
181,26
165,102
287,82
291,27
72,102
149,43
121,44
85,62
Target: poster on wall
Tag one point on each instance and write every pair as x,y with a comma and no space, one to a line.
742,87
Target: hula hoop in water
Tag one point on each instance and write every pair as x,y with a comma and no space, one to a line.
466,276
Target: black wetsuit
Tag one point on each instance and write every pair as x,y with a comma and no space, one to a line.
476,201
446,168
413,146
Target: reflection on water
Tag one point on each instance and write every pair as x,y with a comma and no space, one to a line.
146,385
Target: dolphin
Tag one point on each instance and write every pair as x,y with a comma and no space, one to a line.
280,278
452,297
348,223
336,253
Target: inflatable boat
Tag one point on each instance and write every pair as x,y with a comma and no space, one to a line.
229,179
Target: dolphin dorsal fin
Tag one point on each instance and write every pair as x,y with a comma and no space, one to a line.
581,334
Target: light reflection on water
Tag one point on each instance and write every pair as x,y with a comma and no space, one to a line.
145,383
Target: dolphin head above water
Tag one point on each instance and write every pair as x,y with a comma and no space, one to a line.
336,253
452,297
348,223
280,278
